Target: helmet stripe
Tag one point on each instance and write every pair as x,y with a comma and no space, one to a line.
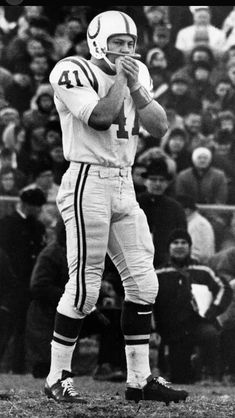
126,22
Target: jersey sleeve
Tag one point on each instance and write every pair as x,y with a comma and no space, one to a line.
73,86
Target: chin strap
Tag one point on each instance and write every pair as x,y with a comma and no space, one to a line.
110,64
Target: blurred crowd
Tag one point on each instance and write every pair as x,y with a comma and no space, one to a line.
190,53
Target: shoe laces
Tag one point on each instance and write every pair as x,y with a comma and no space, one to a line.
67,384
163,381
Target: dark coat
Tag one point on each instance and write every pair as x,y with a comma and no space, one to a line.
8,284
175,310
22,240
163,214
182,104
209,188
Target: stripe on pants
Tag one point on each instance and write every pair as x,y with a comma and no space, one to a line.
81,237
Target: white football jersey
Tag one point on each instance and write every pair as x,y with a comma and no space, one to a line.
79,85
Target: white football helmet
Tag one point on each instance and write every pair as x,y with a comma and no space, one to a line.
104,25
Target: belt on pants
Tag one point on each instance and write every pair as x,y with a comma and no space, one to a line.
104,172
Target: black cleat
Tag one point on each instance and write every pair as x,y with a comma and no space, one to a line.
156,389
63,390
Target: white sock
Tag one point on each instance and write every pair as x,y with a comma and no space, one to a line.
138,367
61,359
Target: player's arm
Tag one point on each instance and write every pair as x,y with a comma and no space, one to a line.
151,113
108,108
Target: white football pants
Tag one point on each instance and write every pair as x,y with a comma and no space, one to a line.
101,215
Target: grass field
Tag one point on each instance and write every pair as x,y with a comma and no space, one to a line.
22,396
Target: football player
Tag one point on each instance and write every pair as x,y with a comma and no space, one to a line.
100,103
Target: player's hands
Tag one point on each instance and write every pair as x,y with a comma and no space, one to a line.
129,67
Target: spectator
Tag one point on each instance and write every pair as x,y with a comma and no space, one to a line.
226,121
200,32
59,164
199,229
22,237
8,291
40,67
160,81
175,145
42,106
194,128
179,96
223,264
223,159
29,12
152,154
8,161
13,136
43,178
35,47
66,34
7,115
220,66
21,86
163,212
200,53
79,46
223,97
181,322
202,86
161,38
156,58
14,139
8,185
37,150
53,133
156,16
221,100
17,57
202,181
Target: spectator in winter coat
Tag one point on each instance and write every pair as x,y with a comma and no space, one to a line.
181,320
22,236
223,159
223,263
179,96
202,181
42,106
175,145
200,32
161,39
8,292
163,213
194,128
